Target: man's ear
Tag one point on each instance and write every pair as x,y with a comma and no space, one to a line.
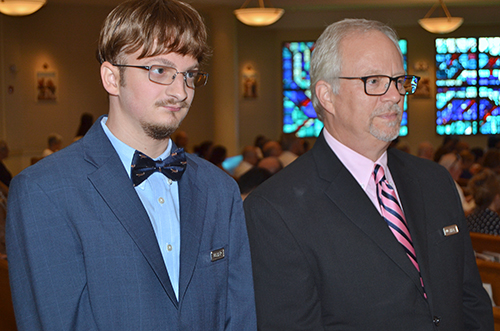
325,95
110,77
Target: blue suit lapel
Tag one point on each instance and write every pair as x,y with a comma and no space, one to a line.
114,186
345,192
193,206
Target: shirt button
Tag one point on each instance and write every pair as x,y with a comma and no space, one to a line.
169,247
161,200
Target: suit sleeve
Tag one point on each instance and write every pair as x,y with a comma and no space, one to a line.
286,294
241,302
46,263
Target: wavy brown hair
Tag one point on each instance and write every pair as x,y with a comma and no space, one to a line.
156,27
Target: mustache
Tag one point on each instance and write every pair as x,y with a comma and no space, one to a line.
171,103
387,110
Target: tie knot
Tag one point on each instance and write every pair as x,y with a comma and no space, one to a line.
378,173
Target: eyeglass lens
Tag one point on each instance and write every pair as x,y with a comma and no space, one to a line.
379,85
166,75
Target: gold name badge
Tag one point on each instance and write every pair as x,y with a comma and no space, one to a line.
450,230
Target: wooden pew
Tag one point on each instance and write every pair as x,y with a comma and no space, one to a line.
485,242
7,321
490,271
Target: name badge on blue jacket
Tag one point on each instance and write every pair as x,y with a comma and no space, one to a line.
216,255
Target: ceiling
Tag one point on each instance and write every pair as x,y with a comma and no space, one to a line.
310,14
308,4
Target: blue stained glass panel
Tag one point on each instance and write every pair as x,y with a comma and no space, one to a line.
468,85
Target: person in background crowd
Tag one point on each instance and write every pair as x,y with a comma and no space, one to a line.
250,159
86,121
122,230
491,160
292,147
218,155
353,235
271,148
181,139
259,142
425,150
485,189
251,179
467,162
5,175
271,164
54,143
204,150
448,146
453,163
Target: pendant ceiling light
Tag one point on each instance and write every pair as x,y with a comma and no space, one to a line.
20,7
440,24
260,16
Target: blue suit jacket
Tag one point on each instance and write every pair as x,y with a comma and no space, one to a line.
83,254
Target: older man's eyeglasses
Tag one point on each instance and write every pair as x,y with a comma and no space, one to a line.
166,75
379,84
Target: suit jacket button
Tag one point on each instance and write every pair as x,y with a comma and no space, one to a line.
436,320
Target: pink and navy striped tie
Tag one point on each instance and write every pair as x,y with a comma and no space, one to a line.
394,217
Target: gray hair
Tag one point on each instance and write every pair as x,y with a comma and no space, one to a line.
326,60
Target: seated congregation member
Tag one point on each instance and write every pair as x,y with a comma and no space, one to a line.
122,230
292,147
271,164
250,158
251,179
54,143
5,175
353,235
485,188
453,163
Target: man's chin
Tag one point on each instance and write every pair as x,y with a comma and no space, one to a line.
159,132
387,135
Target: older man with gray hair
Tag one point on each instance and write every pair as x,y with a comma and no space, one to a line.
353,235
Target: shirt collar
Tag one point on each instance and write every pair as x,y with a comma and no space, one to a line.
358,165
125,152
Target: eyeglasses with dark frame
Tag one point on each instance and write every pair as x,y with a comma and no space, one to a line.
377,85
165,75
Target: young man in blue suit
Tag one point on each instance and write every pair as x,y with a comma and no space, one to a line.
122,230
338,245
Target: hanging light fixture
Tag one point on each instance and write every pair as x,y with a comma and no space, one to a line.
440,24
260,16
20,7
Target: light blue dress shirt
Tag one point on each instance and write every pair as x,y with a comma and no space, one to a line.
160,197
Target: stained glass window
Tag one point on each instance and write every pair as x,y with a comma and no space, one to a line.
298,113
468,86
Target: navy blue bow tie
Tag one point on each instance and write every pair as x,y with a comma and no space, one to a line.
143,166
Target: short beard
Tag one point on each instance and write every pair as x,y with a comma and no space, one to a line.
162,132
392,131
158,132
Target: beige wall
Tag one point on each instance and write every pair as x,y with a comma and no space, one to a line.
64,37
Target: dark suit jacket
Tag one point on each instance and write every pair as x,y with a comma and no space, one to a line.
83,254
324,259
